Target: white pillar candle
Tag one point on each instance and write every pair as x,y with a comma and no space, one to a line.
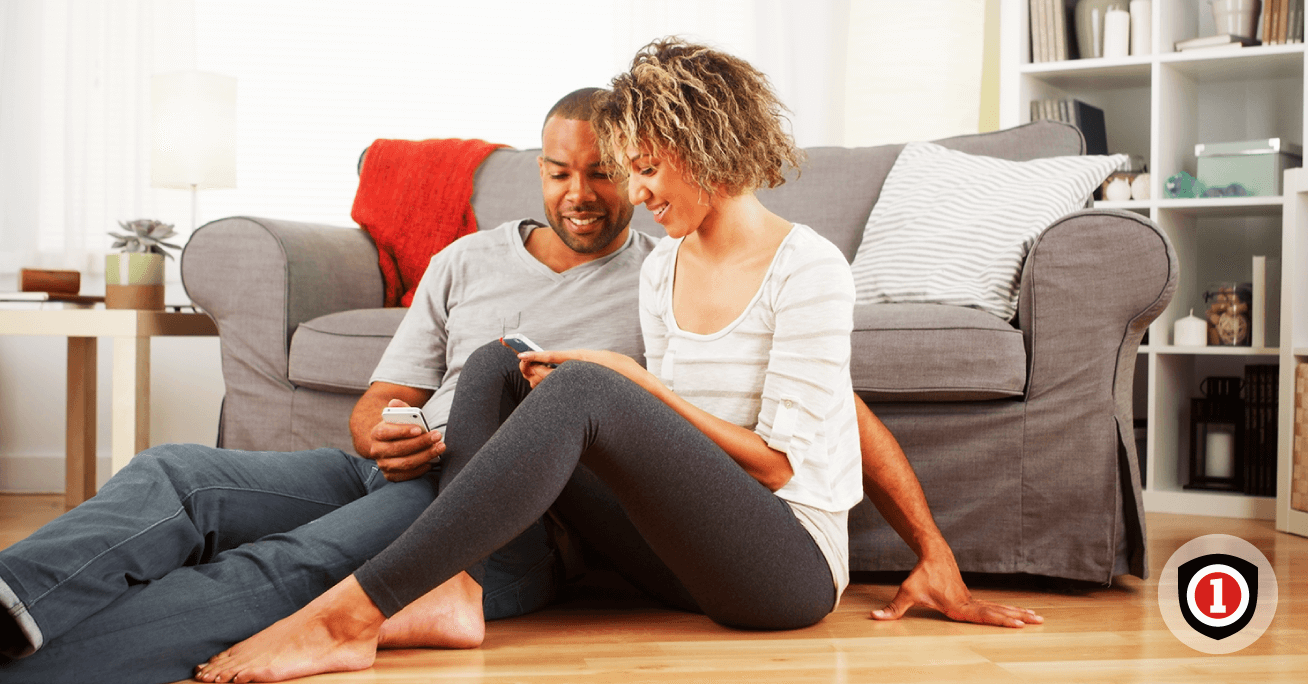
1219,455
1117,33
1142,30
1190,331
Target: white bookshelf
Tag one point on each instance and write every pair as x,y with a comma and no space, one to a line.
1294,334
1158,106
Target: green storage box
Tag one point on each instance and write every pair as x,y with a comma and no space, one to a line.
1257,165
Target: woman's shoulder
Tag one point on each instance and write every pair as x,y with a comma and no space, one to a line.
656,265
806,246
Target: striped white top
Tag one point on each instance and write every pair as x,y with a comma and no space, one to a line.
780,369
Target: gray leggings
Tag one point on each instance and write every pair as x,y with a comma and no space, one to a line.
737,548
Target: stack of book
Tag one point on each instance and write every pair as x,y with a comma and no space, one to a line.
1088,118
1051,23
1282,22
1224,40
44,285
1260,390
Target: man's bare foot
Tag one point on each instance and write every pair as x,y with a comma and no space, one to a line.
336,632
449,616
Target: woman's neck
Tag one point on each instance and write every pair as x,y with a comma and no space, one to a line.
733,223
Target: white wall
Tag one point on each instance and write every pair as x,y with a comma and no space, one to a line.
914,70
901,71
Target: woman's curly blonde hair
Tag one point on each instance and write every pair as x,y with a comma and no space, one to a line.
714,112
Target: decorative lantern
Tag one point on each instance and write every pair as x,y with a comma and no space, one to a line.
1217,436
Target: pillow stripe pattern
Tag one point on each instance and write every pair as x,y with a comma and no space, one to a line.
954,228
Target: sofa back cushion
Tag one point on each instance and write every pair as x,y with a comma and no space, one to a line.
834,194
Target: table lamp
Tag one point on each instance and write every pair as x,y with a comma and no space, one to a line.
194,132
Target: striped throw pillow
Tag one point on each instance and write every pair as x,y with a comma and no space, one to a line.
954,228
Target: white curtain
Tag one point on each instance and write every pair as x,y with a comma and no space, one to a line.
318,80
74,122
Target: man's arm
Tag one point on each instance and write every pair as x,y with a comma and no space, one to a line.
402,452
935,582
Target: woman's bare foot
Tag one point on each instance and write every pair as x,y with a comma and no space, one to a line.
449,616
336,632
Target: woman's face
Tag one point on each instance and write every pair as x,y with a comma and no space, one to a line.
678,204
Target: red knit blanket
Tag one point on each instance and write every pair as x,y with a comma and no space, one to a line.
414,199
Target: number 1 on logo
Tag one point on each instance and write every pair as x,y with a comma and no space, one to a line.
1218,608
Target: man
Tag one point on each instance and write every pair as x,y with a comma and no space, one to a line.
211,569
189,549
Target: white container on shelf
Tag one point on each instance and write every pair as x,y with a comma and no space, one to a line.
1117,34
1142,27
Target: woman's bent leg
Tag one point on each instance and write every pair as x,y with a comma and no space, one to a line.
735,546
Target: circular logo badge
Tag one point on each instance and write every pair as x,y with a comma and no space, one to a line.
1217,594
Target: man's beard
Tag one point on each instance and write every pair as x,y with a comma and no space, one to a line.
590,243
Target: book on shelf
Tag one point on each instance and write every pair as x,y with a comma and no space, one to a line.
1295,32
1265,309
1036,21
1224,40
1049,24
1269,18
1087,117
1060,24
1282,22
1261,383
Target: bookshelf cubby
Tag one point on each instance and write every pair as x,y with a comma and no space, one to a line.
1159,106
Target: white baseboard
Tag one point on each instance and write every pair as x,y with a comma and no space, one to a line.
41,474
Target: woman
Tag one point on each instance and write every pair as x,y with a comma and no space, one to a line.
736,455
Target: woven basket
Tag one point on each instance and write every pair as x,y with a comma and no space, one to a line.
1299,469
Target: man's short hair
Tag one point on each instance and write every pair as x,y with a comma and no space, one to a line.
578,105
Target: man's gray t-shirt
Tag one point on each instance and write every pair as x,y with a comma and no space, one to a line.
486,285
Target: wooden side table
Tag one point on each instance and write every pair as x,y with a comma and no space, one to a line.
131,331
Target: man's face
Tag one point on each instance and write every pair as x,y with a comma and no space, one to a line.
586,209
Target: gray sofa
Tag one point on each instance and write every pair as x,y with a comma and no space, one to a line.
1020,433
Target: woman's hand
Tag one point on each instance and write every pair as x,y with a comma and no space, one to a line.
535,366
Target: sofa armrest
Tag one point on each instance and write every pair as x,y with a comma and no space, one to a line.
1091,285
259,279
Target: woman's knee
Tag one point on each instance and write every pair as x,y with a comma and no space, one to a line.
491,355
586,375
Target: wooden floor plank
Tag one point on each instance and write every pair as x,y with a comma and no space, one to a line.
1092,633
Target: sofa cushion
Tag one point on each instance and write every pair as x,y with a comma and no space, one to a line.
835,192
954,228
338,352
929,352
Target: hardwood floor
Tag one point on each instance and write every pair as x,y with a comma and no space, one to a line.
1091,633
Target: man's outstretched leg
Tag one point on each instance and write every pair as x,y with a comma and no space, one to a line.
158,630
172,506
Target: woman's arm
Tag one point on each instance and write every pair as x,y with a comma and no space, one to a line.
765,464
935,581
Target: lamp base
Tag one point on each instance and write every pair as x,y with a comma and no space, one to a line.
148,297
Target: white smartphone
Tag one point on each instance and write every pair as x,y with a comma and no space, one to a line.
521,343
405,415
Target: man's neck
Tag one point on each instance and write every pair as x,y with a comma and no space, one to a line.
548,249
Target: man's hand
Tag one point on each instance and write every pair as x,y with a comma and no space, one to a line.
937,584
404,452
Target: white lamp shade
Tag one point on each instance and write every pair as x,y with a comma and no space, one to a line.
194,131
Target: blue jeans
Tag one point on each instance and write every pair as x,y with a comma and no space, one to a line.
190,549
